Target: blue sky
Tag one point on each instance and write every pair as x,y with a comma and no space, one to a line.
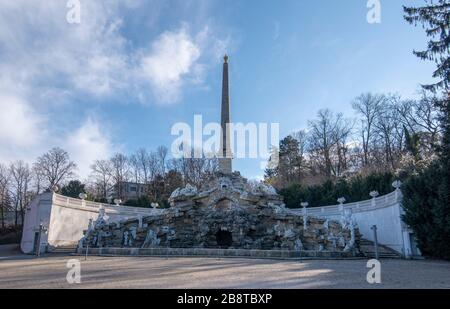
131,69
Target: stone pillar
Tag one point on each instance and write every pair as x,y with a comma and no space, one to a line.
225,156
305,215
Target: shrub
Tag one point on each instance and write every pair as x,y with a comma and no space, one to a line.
10,235
355,189
427,211
73,189
143,202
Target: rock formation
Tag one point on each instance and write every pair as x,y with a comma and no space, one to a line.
227,212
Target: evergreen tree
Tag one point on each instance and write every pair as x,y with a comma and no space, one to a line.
289,158
428,213
412,143
435,18
289,168
73,189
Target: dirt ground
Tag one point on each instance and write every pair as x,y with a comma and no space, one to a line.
19,271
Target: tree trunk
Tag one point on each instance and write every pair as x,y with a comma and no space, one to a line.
2,213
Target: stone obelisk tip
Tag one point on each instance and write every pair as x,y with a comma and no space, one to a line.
225,158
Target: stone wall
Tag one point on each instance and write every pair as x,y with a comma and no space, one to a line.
66,218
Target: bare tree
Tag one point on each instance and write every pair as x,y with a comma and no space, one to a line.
143,161
388,135
162,156
421,117
331,148
368,106
343,131
135,168
195,171
56,166
328,142
20,181
102,171
4,193
120,173
38,178
385,126
153,166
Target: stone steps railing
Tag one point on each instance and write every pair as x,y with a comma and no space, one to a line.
205,252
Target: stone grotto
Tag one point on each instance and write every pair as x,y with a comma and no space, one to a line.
227,212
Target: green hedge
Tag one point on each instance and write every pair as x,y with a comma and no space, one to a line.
354,189
145,202
427,211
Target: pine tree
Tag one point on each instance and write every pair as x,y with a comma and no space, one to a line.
434,199
73,189
412,143
435,18
289,167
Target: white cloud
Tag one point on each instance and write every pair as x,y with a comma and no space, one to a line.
19,123
24,135
178,58
46,62
88,143
173,56
40,47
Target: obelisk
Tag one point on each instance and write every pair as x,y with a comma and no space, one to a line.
225,157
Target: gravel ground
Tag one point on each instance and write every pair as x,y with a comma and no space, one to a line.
154,272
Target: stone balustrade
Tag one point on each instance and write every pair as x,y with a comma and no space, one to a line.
66,218
383,211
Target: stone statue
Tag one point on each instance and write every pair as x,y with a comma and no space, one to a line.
298,245
86,233
349,222
126,239
102,218
151,239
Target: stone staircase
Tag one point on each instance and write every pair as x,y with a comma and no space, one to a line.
366,246
368,249
63,249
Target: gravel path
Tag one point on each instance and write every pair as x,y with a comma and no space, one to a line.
153,272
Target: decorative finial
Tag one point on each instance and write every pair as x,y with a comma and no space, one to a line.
397,184
225,58
374,194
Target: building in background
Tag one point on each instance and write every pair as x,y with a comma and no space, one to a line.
126,191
